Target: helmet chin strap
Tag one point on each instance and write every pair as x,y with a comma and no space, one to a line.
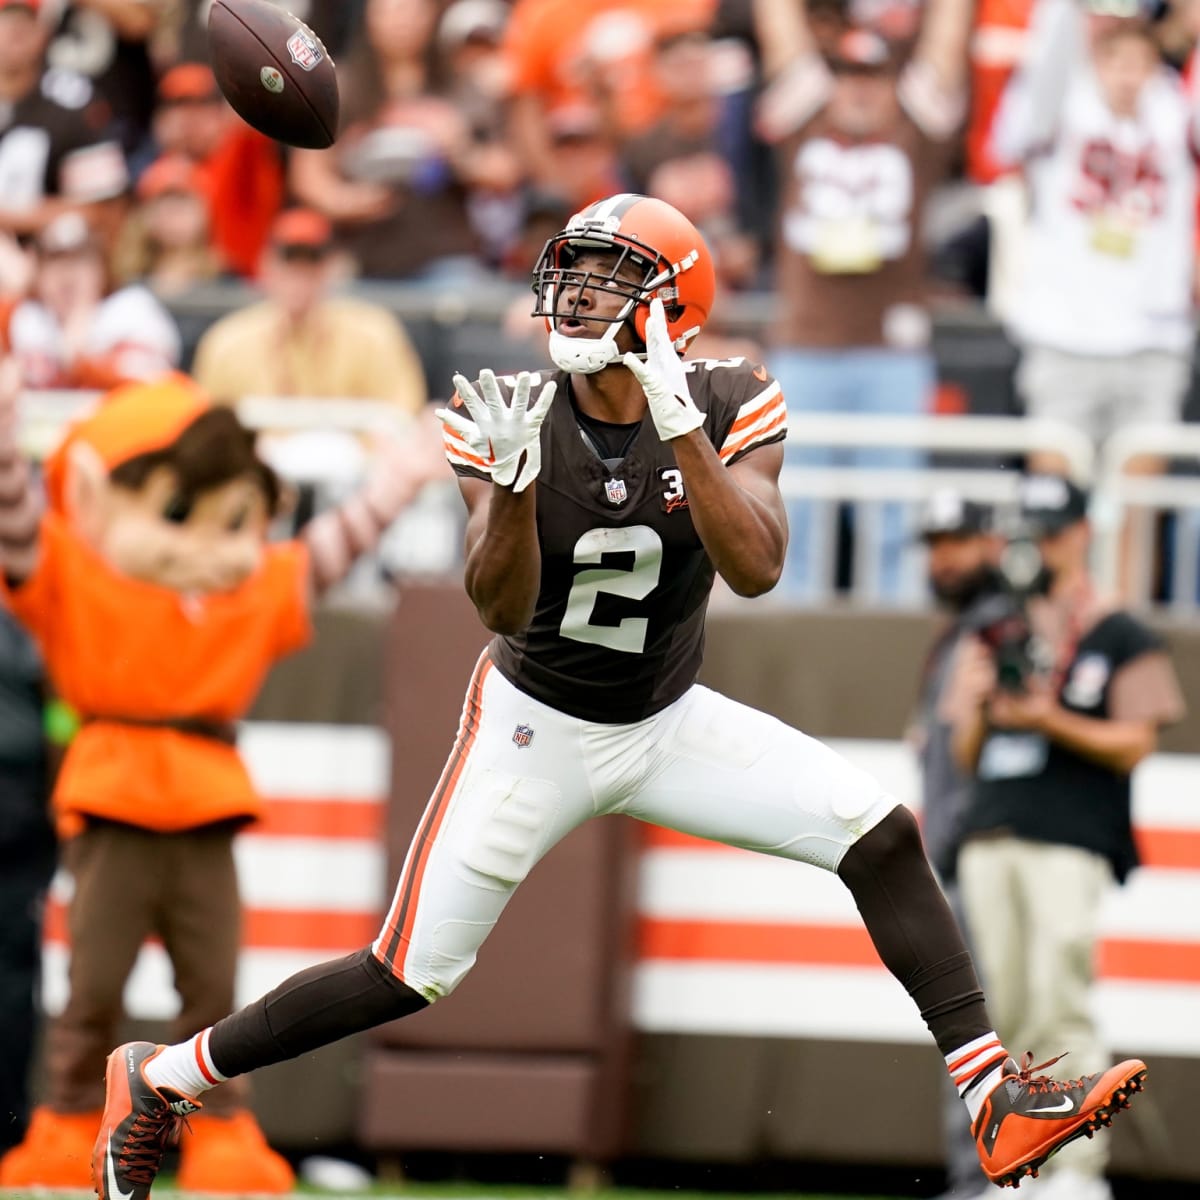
584,356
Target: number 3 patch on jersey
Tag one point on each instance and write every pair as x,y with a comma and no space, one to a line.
673,495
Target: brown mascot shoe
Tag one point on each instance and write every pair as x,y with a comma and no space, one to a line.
56,1152
1026,1118
230,1154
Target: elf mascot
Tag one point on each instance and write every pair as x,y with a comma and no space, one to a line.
159,605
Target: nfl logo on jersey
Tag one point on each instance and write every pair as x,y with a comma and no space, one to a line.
614,489
523,735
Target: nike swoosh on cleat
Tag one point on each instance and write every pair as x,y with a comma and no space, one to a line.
114,1192
1065,1106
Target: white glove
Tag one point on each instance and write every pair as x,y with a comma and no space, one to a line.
507,437
664,379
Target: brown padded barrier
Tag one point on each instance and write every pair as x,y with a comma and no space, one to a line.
531,1049
834,673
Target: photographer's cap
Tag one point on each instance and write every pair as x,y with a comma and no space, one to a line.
948,513
1050,503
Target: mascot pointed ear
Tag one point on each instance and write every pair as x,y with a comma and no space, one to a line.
86,491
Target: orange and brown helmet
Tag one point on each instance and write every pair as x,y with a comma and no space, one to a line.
670,261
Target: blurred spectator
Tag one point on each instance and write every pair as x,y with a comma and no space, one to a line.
1051,749
52,150
469,36
961,552
861,144
167,240
107,42
75,331
562,55
26,864
1103,307
396,184
303,341
183,33
241,170
679,158
738,73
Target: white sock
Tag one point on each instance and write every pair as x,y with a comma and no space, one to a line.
187,1067
976,1068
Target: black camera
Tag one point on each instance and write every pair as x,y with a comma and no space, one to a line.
1001,619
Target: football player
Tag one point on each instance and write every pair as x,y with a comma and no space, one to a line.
603,500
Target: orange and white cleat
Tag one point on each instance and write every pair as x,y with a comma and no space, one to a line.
1026,1118
139,1124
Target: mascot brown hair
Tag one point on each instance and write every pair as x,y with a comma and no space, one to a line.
159,606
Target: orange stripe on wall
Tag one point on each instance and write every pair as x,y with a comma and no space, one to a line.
1170,848
322,818
272,928
850,946
1160,847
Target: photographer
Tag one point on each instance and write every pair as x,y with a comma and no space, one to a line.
1051,749
961,570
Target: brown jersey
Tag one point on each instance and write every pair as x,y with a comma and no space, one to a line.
618,629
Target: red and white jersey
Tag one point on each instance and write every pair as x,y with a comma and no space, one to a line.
1108,251
131,336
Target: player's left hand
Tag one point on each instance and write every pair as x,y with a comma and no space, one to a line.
664,379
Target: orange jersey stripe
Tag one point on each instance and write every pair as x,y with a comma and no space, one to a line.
729,449
402,916
745,419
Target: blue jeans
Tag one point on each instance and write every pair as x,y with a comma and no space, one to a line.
882,381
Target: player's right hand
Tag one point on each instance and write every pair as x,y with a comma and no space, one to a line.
504,436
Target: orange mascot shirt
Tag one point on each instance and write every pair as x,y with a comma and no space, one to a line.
118,647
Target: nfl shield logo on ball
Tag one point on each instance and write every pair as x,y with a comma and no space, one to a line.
272,79
614,489
305,51
523,735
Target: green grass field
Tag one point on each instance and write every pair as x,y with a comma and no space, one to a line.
467,1191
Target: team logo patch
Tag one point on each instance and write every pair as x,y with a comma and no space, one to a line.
615,491
522,736
305,50
272,79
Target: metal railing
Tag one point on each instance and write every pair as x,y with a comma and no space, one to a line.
1116,492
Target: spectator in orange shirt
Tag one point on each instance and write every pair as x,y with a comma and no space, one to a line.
241,171
561,56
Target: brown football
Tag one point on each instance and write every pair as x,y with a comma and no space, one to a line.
274,71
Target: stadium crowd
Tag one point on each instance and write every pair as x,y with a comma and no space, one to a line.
844,156
857,165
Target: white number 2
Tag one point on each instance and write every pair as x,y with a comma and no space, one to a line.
634,583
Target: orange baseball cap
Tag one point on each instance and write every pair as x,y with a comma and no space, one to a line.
303,227
188,81
131,420
169,173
